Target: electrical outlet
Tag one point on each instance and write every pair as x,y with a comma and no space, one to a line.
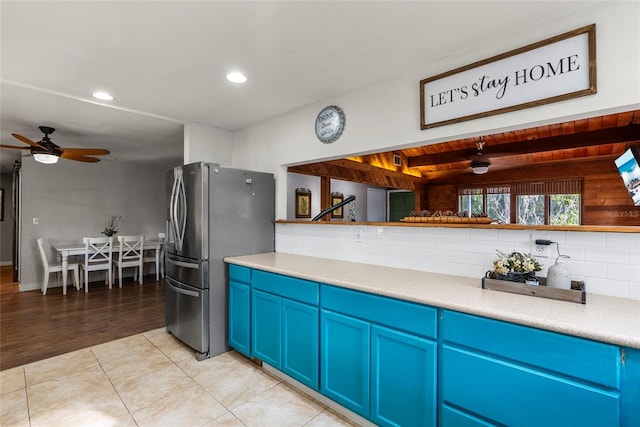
36,221
540,251
357,235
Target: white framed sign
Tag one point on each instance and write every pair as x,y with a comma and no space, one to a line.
552,70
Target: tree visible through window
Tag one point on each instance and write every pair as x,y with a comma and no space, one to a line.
530,209
536,203
564,209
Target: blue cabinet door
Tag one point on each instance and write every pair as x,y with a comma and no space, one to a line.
300,336
240,317
266,325
344,361
510,394
403,379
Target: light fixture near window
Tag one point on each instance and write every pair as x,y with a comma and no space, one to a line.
480,167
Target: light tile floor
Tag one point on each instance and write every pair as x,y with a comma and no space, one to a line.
152,379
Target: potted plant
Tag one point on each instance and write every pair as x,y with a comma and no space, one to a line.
516,267
111,226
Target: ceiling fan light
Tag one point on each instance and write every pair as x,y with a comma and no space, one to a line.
47,159
480,167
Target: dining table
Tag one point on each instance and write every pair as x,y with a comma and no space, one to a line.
70,249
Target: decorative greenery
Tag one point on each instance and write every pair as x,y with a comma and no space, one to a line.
515,262
111,226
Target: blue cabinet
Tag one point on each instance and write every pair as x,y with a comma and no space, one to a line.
240,309
500,373
379,357
403,374
345,361
394,362
300,342
285,325
266,327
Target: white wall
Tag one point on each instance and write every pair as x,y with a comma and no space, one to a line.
386,116
204,143
608,263
72,200
296,180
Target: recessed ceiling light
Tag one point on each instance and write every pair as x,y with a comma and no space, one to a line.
103,96
236,77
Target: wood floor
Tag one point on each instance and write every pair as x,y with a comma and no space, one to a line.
35,326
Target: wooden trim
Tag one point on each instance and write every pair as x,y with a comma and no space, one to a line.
577,228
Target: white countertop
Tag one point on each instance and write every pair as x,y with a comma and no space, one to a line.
602,318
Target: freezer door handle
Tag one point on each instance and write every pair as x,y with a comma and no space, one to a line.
183,264
184,291
178,208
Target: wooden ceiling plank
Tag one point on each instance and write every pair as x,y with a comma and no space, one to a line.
573,141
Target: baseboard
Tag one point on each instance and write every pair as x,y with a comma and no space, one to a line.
5,263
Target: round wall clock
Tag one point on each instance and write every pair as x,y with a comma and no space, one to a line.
329,124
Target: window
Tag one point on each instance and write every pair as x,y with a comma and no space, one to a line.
536,203
530,209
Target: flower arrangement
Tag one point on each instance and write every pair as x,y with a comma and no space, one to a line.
515,262
111,226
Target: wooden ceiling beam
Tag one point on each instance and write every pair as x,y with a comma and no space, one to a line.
348,170
551,143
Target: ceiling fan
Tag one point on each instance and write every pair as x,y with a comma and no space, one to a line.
479,165
45,151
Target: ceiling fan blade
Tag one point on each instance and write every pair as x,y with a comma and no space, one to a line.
79,157
86,151
25,140
15,146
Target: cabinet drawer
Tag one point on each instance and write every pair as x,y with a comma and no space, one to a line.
572,356
515,395
285,286
402,315
239,274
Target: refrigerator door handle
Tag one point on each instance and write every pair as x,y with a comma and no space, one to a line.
184,291
183,211
178,208
183,264
172,207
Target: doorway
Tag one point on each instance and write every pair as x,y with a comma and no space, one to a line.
401,203
376,205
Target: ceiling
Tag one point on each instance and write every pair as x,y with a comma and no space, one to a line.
165,62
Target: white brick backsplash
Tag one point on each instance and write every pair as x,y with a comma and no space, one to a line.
609,263
587,239
607,255
621,240
630,273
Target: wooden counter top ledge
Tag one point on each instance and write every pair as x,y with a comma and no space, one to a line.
578,228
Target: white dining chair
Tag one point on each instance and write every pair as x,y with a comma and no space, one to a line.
151,257
56,268
98,254
131,254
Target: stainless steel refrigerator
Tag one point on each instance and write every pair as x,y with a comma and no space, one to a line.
213,212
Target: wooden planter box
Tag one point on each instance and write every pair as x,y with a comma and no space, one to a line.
575,294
